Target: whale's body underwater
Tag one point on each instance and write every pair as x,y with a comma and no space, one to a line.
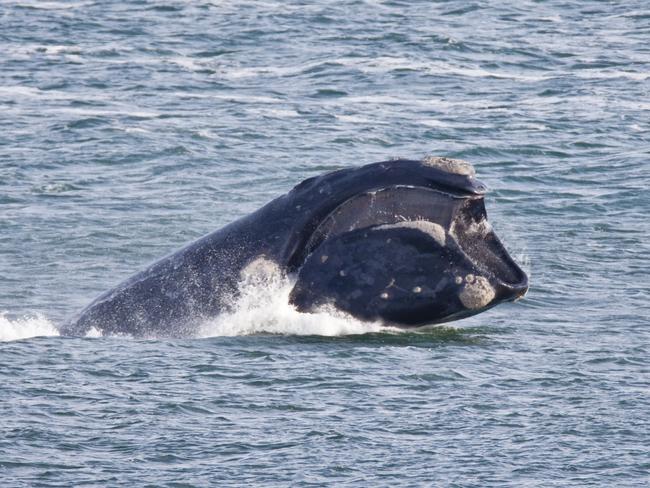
404,242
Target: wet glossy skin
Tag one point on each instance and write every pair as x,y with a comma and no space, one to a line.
399,274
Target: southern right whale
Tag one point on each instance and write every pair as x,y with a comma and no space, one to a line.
405,242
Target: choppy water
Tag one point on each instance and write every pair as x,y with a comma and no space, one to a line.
130,128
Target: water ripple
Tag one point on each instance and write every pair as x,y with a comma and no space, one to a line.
131,128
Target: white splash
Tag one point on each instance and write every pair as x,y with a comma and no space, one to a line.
25,327
263,307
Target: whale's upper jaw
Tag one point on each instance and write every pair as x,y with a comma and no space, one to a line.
450,175
316,198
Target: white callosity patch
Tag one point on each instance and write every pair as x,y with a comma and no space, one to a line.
477,292
455,166
430,228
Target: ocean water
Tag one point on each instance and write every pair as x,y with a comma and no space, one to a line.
128,128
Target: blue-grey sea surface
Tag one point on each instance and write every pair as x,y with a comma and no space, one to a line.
128,128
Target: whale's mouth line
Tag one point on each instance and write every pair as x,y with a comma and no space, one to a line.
443,191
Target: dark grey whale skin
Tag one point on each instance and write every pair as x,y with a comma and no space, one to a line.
172,296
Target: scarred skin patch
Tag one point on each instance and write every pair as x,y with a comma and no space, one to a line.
454,166
477,292
434,230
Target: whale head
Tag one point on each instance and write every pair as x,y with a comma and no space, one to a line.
404,242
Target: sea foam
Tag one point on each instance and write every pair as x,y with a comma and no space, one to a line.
263,307
13,329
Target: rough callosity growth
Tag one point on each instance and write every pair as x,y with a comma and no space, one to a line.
455,166
477,292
